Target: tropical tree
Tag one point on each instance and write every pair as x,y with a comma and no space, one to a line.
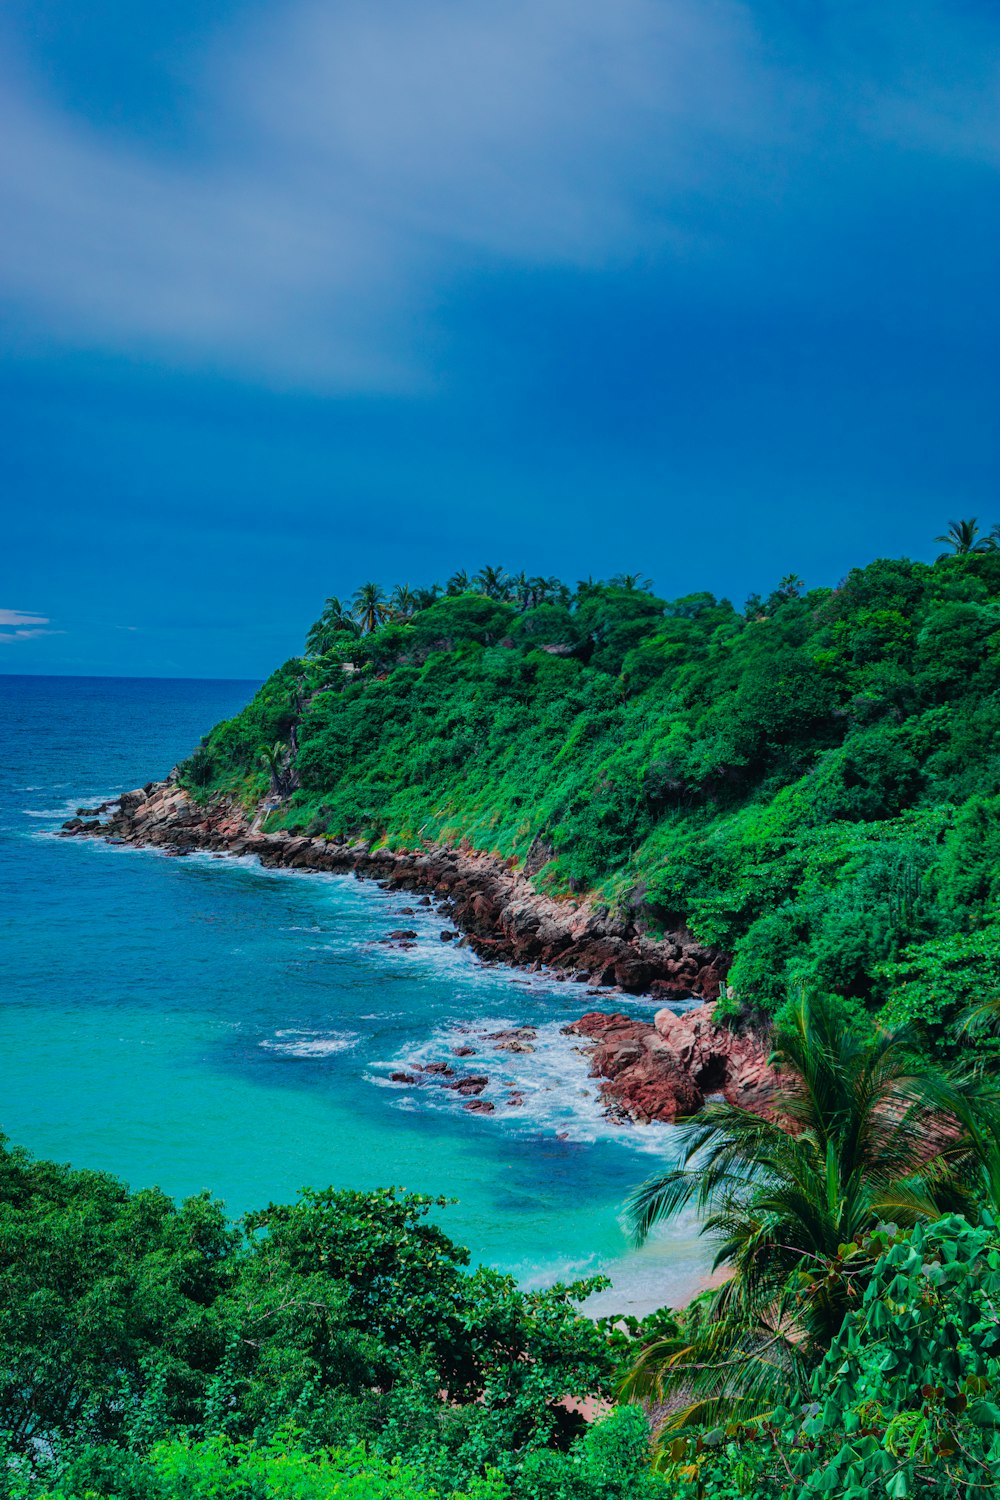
493,582
458,583
963,538
275,758
631,581
423,598
793,1198
369,606
335,620
534,591
402,601
519,586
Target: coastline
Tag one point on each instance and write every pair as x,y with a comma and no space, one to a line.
493,903
660,1069
505,922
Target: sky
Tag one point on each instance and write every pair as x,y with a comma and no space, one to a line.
296,294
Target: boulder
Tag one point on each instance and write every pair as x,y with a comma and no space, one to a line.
664,1070
473,1084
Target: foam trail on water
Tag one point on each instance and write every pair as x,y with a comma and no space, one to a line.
558,1097
292,1043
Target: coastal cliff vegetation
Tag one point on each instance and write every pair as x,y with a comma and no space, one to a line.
809,783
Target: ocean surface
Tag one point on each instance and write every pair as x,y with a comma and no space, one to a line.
204,1023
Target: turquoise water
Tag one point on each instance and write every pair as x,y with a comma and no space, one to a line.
202,1022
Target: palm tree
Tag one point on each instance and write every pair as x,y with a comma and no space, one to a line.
424,598
630,582
790,1200
458,583
275,758
493,582
544,591
369,606
402,601
335,620
963,538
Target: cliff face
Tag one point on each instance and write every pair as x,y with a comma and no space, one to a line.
496,905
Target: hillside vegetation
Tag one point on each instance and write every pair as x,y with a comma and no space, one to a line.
811,783
338,1347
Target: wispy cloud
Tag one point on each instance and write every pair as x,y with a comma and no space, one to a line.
20,617
356,160
28,626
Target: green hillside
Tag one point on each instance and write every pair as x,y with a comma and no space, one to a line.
811,781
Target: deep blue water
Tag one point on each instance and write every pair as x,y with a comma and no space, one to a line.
202,1022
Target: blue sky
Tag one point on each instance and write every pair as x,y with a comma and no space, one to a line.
314,292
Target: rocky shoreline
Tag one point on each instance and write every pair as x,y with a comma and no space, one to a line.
650,1070
493,903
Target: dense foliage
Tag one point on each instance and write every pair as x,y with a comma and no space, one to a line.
148,1349
906,1403
338,1349
811,782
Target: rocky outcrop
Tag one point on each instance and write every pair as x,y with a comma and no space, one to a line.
664,1069
492,902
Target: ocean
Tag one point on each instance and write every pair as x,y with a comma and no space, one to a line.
204,1023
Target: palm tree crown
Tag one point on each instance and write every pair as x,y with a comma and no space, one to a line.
630,582
788,1196
335,620
369,606
963,538
493,582
402,601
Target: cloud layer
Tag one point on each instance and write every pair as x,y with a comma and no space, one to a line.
355,161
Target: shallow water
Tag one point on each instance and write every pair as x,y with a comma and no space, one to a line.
203,1022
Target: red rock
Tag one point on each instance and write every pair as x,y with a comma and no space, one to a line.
474,1084
663,1071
